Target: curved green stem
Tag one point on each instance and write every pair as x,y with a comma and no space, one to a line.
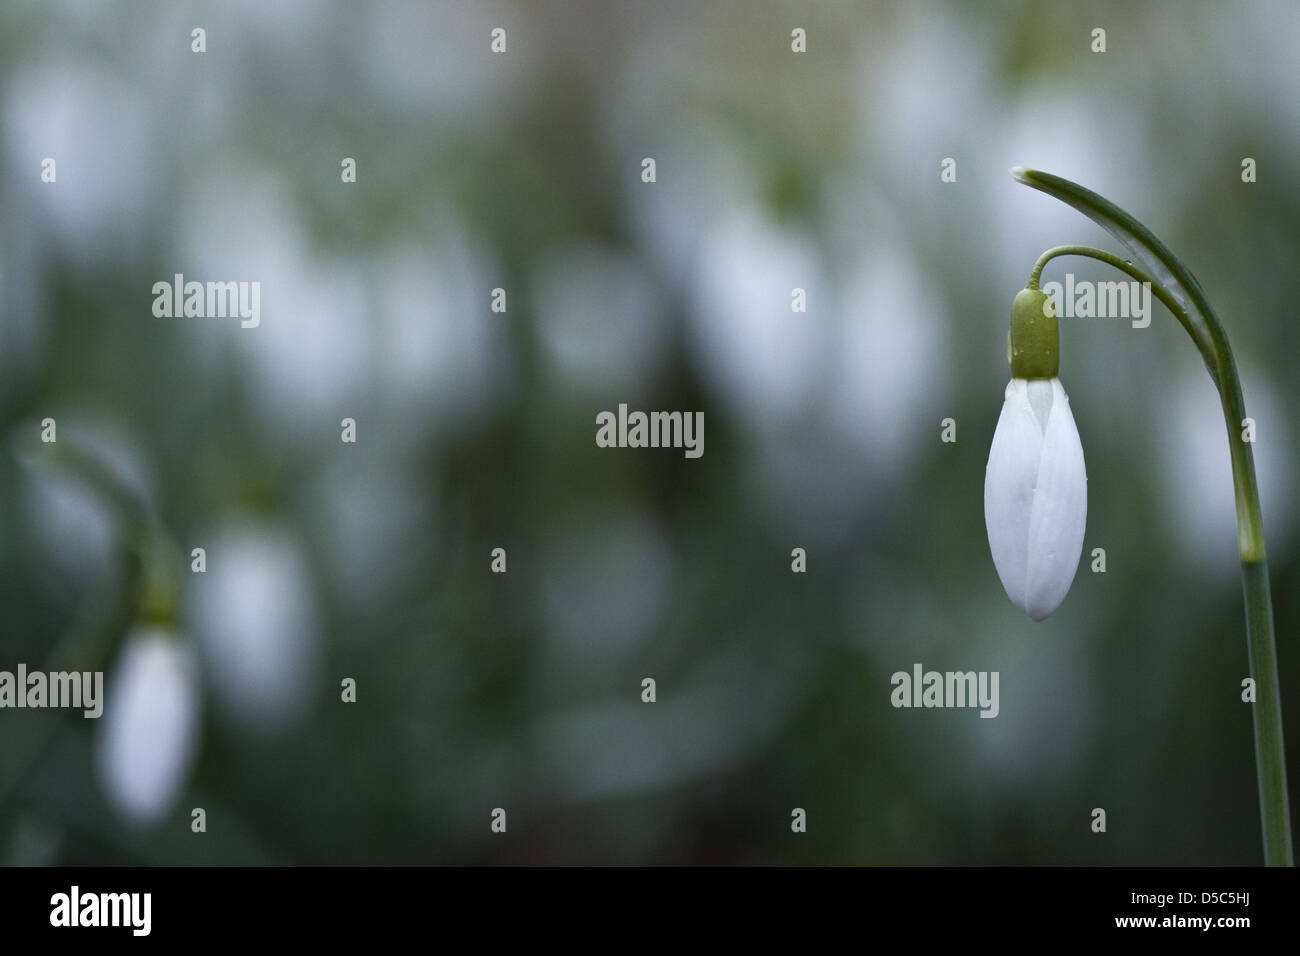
1212,342
1123,265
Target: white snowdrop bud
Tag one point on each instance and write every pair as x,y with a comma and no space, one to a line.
1036,495
149,732
1035,488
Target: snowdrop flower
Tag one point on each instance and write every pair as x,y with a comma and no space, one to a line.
149,730
1035,497
1035,488
255,615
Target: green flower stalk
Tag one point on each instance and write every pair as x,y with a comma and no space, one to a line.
1033,357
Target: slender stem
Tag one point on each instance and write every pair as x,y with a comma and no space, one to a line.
1212,342
1123,265
1270,751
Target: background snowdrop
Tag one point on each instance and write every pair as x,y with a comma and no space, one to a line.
149,730
255,614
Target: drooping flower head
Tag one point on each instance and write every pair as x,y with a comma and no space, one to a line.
1035,486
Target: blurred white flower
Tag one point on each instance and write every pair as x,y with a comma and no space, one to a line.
67,109
764,361
892,367
1036,496
310,356
441,357
391,51
149,731
254,613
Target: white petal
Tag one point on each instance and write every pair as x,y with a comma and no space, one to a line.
1060,512
150,725
1036,496
1041,395
1009,482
